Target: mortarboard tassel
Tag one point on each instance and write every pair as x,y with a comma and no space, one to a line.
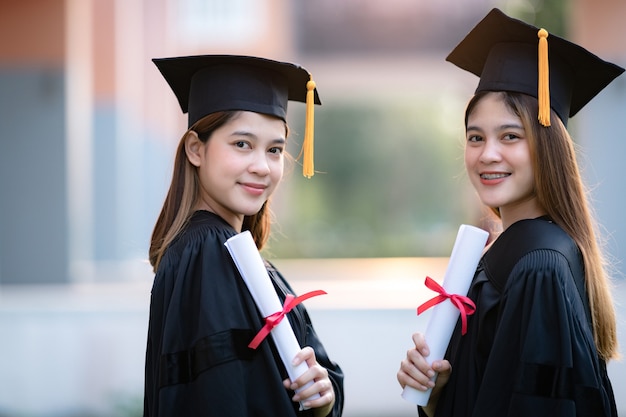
307,145
543,95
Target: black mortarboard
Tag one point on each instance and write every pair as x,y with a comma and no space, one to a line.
510,55
205,84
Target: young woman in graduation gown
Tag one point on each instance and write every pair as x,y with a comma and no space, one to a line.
202,316
544,325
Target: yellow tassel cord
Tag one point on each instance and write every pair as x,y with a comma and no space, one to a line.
307,145
543,94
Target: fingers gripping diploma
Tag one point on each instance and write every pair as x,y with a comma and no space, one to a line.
313,381
417,373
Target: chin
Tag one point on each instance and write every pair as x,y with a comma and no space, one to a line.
251,212
492,201
492,204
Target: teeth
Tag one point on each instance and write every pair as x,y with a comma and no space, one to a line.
492,176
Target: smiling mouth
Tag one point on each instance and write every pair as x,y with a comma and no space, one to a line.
493,176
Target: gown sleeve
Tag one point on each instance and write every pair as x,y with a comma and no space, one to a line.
543,360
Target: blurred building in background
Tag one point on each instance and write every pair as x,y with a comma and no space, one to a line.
88,129
88,125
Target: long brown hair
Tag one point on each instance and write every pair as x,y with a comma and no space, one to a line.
183,195
561,193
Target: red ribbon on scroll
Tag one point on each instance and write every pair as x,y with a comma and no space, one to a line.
465,305
272,320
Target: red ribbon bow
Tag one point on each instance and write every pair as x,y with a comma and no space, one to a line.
272,320
465,305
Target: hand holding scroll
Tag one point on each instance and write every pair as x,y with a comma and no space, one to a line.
416,372
318,393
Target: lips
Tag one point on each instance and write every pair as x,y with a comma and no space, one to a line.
254,188
253,185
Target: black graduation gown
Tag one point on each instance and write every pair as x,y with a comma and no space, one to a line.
202,318
529,349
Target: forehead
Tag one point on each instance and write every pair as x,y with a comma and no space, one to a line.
255,123
492,105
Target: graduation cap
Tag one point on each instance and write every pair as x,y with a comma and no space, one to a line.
510,55
205,84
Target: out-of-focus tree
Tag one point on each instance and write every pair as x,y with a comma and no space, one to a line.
389,186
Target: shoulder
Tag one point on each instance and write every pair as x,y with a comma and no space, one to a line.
204,231
531,234
538,242
543,263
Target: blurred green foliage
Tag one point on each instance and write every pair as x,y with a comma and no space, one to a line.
553,15
392,181
391,184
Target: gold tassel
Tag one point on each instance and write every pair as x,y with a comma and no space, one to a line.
307,145
543,94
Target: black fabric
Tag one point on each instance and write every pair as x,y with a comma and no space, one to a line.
210,351
205,84
503,52
529,349
202,318
502,258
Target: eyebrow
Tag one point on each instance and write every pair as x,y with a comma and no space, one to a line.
501,127
253,136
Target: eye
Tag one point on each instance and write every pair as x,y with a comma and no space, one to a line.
474,138
276,150
242,144
510,137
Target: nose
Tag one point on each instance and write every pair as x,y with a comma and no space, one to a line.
259,164
490,151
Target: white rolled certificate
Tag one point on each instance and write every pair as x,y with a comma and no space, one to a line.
244,252
466,253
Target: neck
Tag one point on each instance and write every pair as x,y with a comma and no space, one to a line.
509,217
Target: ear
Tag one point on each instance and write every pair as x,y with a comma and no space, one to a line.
194,148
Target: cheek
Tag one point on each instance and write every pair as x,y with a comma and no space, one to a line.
522,160
278,169
469,158
530,179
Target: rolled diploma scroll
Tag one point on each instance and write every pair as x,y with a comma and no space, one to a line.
252,269
466,253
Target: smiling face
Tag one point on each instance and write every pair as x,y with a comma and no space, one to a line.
239,166
498,160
